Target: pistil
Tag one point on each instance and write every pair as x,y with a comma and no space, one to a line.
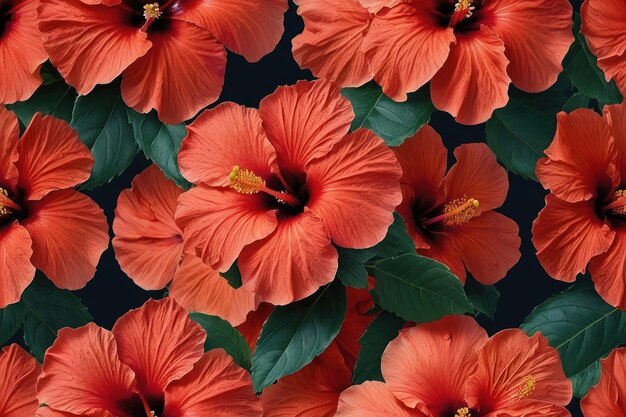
6,204
617,206
151,12
456,212
247,182
462,9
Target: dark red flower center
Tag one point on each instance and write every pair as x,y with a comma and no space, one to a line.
5,16
10,209
463,412
138,406
461,15
153,16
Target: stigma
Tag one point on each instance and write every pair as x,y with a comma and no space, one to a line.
244,181
463,412
527,388
456,212
151,11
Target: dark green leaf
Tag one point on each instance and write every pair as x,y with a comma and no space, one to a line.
586,379
580,325
49,74
233,276
351,271
101,121
577,101
484,298
419,289
220,334
382,330
392,121
296,333
49,309
11,318
56,99
160,143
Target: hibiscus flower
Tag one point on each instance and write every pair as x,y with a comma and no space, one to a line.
469,50
21,50
44,223
608,398
151,364
19,373
461,372
277,186
451,217
605,32
149,247
170,53
584,219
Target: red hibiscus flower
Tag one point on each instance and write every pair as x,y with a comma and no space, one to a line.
170,53
151,364
463,373
149,247
19,373
605,32
584,218
21,50
608,398
469,50
277,186
44,223
451,217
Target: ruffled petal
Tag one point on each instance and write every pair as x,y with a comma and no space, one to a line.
615,116
218,222
567,236
9,135
536,54
573,175
306,260
532,408
228,135
69,233
21,53
376,5
247,27
331,45
608,271
199,288
181,74
18,391
305,121
373,399
360,165
148,244
160,343
440,355
474,81
89,44
215,386
608,397
16,270
405,47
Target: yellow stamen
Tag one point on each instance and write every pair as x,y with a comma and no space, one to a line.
152,414
3,209
618,205
463,412
527,388
464,5
245,182
151,11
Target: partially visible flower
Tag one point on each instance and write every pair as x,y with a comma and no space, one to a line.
276,187
252,327
608,398
451,216
21,50
149,247
451,368
170,53
584,220
44,222
18,384
151,364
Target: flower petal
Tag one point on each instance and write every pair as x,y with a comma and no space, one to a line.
148,244
473,82
608,271
227,135
608,397
21,52
83,374
216,386
405,47
441,355
305,121
9,136
251,328
331,44
567,235
535,55
89,44
197,287
177,77
441,249
247,27
372,399
573,175
18,391
358,318
69,233
376,5
307,260
16,270
218,222
360,165
532,408
615,116
160,343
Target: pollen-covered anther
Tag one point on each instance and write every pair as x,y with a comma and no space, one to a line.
465,5
619,202
151,11
459,211
463,412
3,210
245,181
527,388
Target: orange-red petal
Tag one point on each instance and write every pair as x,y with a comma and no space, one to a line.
251,328
373,399
608,271
358,318
441,249
376,5
615,116
608,397
18,391
532,408
9,136
16,269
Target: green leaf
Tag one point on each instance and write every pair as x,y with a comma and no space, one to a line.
101,121
419,289
382,330
295,334
581,66
577,101
392,121
11,318
49,309
220,334
484,298
56,99
584,380
580,325
159,142
233,276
